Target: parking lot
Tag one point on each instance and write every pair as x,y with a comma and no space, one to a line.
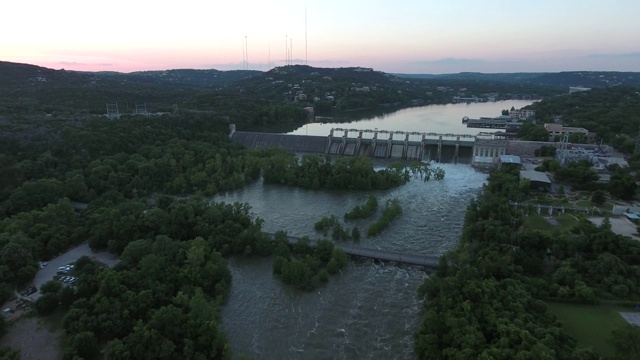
48,272
619,225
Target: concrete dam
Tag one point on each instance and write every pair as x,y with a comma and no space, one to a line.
442,148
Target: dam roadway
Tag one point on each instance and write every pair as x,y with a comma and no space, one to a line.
386,255
377,254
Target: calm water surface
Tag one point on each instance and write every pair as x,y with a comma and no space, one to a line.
370,310
430,118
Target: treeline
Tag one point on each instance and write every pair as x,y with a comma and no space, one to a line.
492,287
425,171
84,160
306,267
361,212
338,233
318,172
392,210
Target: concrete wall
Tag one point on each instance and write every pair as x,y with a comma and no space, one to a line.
297,143
526,148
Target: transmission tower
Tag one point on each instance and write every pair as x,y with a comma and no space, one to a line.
141,110
562,153
112,112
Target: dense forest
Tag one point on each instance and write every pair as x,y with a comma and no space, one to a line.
247,97
146,182
486,299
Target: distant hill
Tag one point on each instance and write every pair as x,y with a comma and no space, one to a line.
30,89
196,78
591,79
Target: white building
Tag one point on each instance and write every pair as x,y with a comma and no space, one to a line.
522,113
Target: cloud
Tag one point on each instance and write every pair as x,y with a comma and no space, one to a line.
450,62
75,63
330,63
621,55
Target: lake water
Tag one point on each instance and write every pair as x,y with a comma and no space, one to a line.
370,310
431,118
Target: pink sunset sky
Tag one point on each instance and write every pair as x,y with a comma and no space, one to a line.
393,36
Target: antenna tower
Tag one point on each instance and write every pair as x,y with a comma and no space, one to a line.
246,47
244,57
306,58
637,149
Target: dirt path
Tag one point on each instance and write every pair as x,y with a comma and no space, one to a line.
32,340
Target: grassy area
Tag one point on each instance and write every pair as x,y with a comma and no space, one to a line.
537,222
588,204
566,221
53,321
590,325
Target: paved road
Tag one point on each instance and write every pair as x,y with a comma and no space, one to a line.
70,256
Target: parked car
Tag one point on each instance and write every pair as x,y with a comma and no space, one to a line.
31,290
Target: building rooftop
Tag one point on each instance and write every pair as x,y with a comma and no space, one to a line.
536,176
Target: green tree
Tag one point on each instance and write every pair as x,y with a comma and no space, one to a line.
83,345
355,233
626,341
598,198
3,326
531,132
51,287
7,353
47,303
622,185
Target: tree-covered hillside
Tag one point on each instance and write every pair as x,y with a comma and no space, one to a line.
28,90
487,298
564,79
613,113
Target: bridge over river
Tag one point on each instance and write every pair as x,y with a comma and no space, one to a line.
378,254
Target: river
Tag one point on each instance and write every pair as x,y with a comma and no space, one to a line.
370,310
